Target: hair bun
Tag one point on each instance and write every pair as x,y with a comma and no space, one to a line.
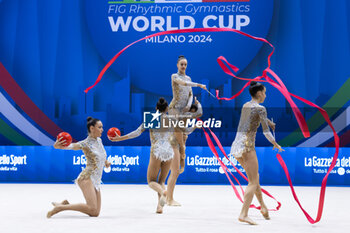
255,87
181,57
162,104
253,83
89,119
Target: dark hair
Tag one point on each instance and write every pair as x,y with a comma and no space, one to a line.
255,87
162,104
91,122
194,107
180,58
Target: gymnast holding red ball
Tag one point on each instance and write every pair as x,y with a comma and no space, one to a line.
89,179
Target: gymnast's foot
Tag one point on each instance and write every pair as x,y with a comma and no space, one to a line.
159,209
64,202
247,220
173,203
162,199
182,152
52,212
182,169
265,213
182,166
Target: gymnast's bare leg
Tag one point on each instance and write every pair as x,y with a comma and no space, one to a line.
183,156
92,196
250,162
179,135
175,171
156,167
264,210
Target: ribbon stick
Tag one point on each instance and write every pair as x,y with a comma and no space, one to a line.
211,94
274,133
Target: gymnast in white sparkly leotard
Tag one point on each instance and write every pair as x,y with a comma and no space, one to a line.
181,103
182,97
243,147
162,152
89,179
252,115
95,155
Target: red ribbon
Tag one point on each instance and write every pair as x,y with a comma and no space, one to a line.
179,31
279,85
225,169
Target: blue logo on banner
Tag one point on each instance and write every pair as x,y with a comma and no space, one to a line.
151,120
150,63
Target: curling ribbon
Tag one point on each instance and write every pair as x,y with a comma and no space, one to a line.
225,169
278,85
168,33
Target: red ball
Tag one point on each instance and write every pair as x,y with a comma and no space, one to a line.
112,132
66,137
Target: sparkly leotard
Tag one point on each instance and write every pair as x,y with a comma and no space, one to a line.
252,115
162,141
182,93
95,154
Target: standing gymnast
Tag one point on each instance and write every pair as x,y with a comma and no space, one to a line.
89,179
195,112
243,147
162,153
182,97
180,104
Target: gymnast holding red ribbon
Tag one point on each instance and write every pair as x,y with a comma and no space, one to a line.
243,147
180,105
277,83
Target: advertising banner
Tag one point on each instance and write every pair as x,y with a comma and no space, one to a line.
307,166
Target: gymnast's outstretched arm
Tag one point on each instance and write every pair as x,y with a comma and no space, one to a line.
179,81
131,135
59,144
266,129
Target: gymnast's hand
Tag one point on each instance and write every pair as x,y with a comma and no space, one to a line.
186,109
107,164
204,87
196,102
278,147
114,139
59,144
272,125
